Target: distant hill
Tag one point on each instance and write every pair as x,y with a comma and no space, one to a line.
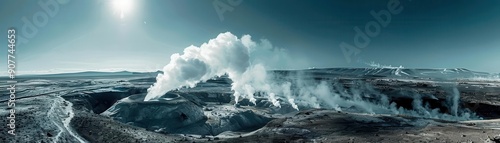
398,72
91,74
391,72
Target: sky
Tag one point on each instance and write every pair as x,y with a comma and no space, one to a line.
135,35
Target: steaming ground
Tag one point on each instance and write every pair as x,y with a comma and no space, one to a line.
230,56
111,108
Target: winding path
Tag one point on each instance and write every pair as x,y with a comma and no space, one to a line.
67,110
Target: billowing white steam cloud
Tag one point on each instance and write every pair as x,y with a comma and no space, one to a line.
225,54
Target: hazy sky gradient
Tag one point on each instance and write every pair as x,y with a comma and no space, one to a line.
90,35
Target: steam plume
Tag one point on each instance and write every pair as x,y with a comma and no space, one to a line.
224,54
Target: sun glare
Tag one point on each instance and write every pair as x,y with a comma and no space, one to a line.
122,6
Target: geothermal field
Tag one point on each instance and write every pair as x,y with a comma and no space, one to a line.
313,105
218,93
